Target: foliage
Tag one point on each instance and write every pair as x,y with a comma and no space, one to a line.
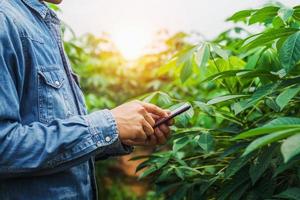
241,139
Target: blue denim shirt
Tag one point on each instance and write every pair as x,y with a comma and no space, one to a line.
47,140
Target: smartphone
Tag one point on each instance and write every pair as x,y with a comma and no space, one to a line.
173,114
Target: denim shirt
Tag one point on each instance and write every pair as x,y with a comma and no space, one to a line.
48,141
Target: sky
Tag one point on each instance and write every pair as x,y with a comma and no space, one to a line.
141,19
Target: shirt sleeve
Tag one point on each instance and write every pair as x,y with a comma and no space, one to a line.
37,148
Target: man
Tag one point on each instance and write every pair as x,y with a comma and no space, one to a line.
47,140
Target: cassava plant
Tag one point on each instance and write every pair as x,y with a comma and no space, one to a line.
242,138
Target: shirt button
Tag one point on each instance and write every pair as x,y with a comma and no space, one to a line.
98,144
57,83
107,138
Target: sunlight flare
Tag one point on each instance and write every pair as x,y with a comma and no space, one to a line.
132,42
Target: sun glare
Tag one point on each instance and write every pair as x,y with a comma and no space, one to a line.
131,42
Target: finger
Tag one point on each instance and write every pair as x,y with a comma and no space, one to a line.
165,129
155,117
149,119
168,112
152,140
141,134
160,136
171,122
154,109
148,128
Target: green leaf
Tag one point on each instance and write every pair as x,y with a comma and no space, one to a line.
263,15
147,172
224,74
236,165
264,130
238,193
241,16
233,149
185,55
163,99
184,118
224,98
290,193
289,53
267,37
285,166
278,22
220,52
257,73
239,179
285,13
204,107
283,121
256,97
206,142
164,175
291,147
296,14
202,55
180,143
179,173
253,59
284,98
261,164
186,70
268,139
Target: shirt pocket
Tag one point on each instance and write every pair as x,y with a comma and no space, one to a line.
53,95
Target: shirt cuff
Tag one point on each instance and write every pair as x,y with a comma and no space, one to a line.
103,128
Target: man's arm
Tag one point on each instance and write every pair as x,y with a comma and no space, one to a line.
38,148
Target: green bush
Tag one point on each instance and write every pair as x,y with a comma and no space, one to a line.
242,140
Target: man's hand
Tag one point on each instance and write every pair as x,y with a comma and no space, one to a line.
135,121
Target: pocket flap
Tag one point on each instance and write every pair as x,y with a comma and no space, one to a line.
54,79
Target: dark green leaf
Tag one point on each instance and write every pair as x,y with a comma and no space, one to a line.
265,130
225,74
256,97
283,121
289,53
268,139
290,193
224,98
238,180
284,98
236,165
261,163
179,172
206,142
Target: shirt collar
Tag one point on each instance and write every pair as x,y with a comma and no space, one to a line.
37,6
